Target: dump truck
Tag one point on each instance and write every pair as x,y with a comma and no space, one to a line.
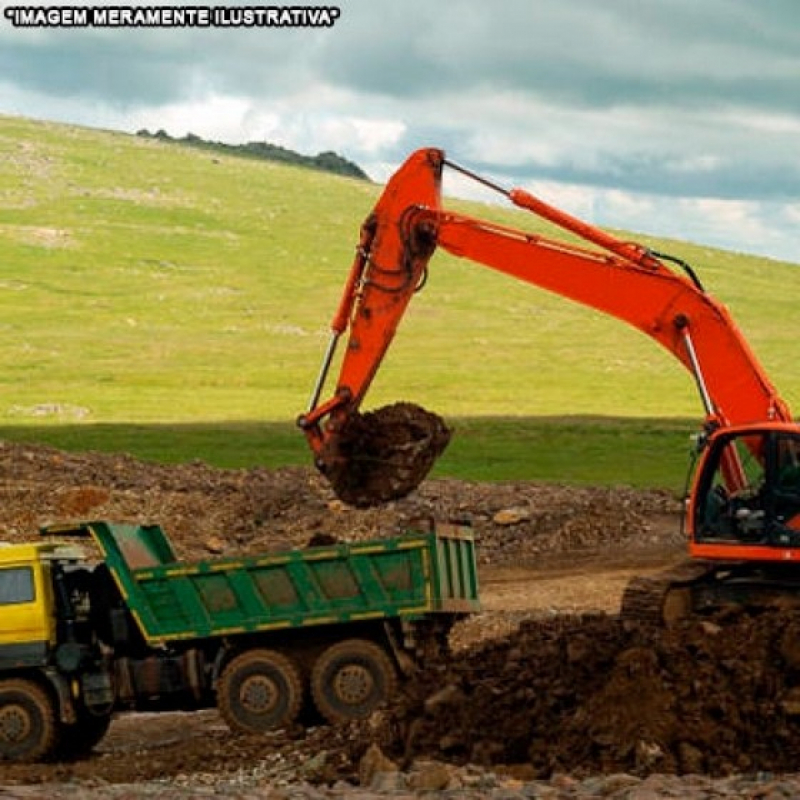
101,617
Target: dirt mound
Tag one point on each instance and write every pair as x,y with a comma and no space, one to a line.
586,695
560,693
207,510
383,455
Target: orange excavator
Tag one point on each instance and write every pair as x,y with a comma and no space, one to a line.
743,507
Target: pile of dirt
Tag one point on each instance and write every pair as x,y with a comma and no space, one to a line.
575,693
589,694
571,694
560,693
228,512
383,455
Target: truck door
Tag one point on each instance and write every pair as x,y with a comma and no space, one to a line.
26,626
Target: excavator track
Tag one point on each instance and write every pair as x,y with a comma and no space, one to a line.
703,588
665,597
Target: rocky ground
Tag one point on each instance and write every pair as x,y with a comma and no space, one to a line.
548,693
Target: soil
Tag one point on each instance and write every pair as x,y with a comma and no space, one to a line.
546,680
382,455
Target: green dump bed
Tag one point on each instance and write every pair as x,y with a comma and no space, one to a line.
409,576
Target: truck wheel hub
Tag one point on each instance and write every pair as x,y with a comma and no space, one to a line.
15,724
353,684
258,694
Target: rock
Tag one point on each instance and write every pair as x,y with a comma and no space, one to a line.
214,545
387,782
790,702
608,785
315,768
429,776
691,759
511,516
710,628
451,695
373,763
648,754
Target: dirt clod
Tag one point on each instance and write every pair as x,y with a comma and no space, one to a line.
383,455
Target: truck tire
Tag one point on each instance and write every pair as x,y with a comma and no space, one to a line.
79,739
260,690
28,727
351,679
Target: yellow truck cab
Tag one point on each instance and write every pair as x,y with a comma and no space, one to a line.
43,667
27,602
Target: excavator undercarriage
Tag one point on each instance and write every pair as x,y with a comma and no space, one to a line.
703,588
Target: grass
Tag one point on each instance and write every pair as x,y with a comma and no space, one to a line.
580,451
174,304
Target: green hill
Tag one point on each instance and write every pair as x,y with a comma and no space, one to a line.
146,283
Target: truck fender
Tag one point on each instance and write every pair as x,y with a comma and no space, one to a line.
61,688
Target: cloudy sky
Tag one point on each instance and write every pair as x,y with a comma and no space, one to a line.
674,117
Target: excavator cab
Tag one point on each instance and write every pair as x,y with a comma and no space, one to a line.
747,493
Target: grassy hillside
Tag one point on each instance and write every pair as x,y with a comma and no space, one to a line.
145,284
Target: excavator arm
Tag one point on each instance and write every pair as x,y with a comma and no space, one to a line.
622,279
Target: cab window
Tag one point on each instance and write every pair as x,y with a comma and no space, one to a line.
732,506
16,585
751,491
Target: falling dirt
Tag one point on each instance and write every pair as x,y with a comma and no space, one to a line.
547,678
383,455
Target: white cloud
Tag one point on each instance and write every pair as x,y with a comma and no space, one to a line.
636,115
635,208
791,212
325,130
213,117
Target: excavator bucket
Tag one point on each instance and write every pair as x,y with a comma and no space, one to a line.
382,455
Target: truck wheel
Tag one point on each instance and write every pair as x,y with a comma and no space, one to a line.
260,690
28,729
78,739
351,679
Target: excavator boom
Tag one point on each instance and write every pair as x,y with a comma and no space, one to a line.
623,279
668,307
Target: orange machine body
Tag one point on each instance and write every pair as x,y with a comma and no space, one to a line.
623,279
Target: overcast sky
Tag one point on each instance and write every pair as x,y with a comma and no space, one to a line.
674,117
